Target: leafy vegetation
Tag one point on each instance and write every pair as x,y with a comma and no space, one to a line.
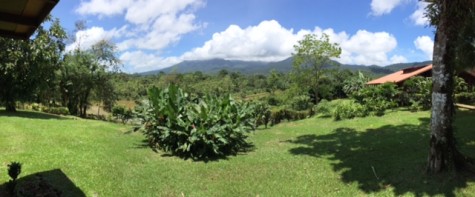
122,114
348,109
14,169
198,128
27,67
312,54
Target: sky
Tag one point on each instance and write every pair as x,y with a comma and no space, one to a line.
154,34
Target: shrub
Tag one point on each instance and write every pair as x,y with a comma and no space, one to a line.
324,107
377,99
417,93
272,100
199,128
35,107
463,92
122,114
262,114
349,109
301,102
289,115
14,169
354,84
465,97
56,110
96,117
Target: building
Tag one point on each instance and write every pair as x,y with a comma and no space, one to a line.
400,76
20,18
425,71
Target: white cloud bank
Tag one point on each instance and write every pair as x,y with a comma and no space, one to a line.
425,44
269,41
153,24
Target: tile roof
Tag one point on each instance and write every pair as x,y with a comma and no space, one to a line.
402,75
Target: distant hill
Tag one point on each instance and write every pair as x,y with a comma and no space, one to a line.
213,66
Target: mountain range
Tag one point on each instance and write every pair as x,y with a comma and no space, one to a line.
213,66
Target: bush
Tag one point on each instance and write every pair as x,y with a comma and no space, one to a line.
376,99
56,110
35,107
14,169
349,109
199,128
465,97
300,103
122,114
96,117
289,115
463,92
324,107
272,100
262,114
417,93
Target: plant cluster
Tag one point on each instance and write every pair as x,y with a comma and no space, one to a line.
198,128
348,109
14,169
301,102
262,113
56,110
289,115
122,114
417,93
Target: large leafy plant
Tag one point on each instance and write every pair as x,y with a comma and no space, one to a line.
377,99
198,128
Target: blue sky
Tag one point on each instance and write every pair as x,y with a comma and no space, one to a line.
153,34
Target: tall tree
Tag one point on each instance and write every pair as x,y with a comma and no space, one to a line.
85,72
454,35
27,66
311,55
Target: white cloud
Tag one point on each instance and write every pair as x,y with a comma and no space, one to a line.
418,17
146,11
103,7
269,41
141,61
425,44
368,48
155,24
166,30
84,39
381,7
396,59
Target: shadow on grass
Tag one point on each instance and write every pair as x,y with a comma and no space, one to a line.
389,157
47,183
30,115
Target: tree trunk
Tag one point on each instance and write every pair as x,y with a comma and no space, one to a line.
443,153
442,142
10,106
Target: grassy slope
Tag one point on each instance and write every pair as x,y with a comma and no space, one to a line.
313,157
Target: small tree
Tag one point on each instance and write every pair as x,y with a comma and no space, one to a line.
312,55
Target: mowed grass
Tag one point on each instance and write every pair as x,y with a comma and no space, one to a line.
380,156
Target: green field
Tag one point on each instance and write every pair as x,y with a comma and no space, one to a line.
381,156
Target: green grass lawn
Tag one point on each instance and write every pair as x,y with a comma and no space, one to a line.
381,156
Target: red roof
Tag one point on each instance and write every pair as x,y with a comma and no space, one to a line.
401,75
